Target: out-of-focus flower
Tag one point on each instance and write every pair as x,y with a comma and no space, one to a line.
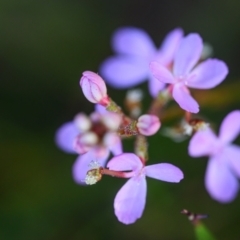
130,200
224,162
93,137
135,50
205,75
94,88
148,124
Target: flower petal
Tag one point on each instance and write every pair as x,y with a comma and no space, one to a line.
188,54
208,74
133,41
124,72
182,96
202,143
230,127
161,73
232,153
155,86
81,165
65,136
170,45
113,142
130,200
164,172
125,162
220,182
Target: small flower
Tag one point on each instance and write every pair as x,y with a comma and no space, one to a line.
93,137
224,162
130,201
205,75
135,50
148,124
94,88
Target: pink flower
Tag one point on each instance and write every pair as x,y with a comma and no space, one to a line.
205,75
224,163
130,200
93,137
148,124
94,88
135,50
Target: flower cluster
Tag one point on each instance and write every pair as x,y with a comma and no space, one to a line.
178,65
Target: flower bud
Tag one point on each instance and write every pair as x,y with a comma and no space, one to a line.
84,142
94,88
82,122
148,124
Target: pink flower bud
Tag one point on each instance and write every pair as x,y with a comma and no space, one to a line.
84,142
94,88
148,124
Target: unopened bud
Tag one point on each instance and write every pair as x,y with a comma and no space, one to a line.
84,142
82,122
148,124
94,88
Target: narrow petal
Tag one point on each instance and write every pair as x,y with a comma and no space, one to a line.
170,45
182,96
100,109
208,74
155,86
124,72
188,54
220,182
164,172
130,200
161,73
133,41
82,164
202,143
230,127
113,142
232,153
125,162
65,136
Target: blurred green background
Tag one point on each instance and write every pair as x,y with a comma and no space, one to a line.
44,48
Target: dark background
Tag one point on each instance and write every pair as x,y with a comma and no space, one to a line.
44,48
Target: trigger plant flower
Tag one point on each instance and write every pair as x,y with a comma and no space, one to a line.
129,202
223,169
92,137
185,73
135,50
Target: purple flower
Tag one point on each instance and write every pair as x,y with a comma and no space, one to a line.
135,50
130,200
224,163
92,137
207,74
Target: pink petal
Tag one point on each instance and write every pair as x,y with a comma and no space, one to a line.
65,136
161,73
230,127
133,41
170,45
100,109
81,165
208,74
124,72
164,172
220,182
130,200
113,142
202,143
232,154
125,162
188,54
155,86
182,96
